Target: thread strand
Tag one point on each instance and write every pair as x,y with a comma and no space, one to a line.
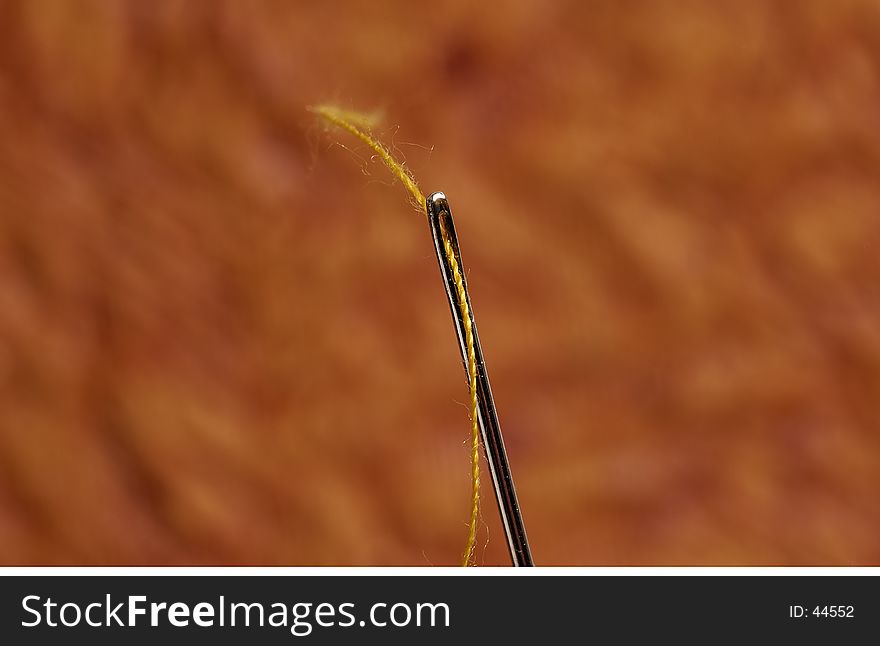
358,125
464,308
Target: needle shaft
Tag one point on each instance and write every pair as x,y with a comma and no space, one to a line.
493,442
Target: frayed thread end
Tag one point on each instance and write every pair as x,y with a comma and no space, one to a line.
360,125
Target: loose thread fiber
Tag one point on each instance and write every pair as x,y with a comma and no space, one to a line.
360,125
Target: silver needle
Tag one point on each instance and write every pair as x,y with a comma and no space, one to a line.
505,493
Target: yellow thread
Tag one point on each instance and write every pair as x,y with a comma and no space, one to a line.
359,125
458,279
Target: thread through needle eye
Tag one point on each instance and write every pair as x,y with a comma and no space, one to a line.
443,230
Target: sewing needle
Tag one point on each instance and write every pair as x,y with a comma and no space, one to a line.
499,468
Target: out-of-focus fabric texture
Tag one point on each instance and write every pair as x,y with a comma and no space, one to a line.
223,334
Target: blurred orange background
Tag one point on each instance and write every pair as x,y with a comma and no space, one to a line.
223,334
